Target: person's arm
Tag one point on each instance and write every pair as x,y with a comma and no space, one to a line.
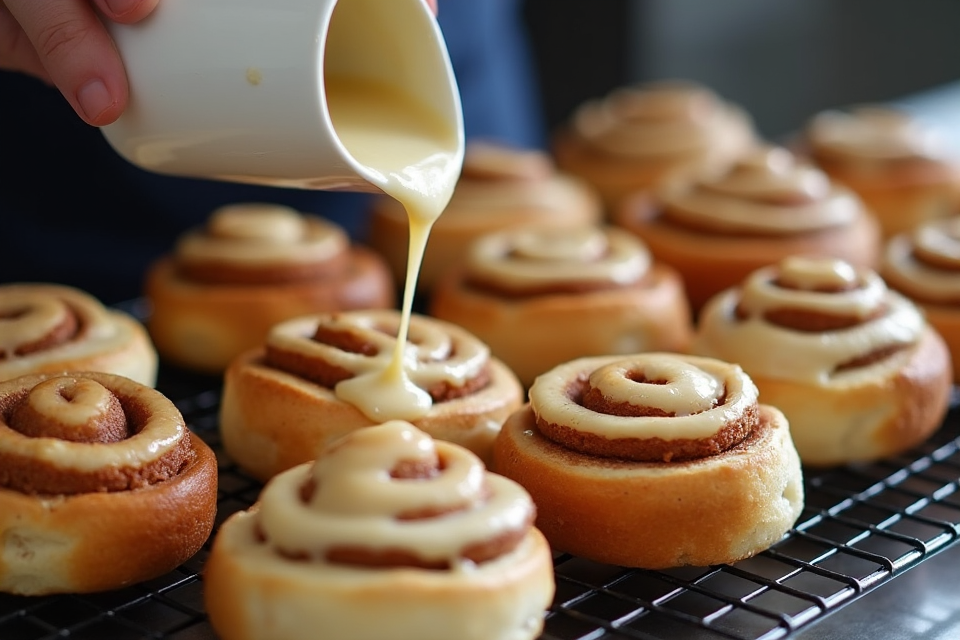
64,43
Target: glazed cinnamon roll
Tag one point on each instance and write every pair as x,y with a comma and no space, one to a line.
924,265
636,137
899,165
101,484
253,265
284,402
49,328
500,188
540,297
769,205
653,460
853,365
389,534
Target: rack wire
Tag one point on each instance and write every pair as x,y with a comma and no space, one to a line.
862,526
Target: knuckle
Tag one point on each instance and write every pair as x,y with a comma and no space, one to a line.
60,37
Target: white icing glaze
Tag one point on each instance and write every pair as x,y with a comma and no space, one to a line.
657,120
770,350
537,257
767,192
436,352
162,432
704,394
875,133
357,503
925,264
415,157
253,233
28,312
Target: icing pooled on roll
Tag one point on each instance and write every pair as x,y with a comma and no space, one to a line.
812,319
652,406
925,264
544,260
390,495
768,192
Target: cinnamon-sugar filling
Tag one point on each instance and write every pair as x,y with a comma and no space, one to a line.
643,449
567,287
221,272
125,417
68,329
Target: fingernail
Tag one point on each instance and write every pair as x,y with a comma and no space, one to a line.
120,7
94,99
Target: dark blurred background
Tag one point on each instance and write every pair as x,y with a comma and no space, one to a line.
782,60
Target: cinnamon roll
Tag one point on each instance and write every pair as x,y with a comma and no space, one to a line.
49,328
636,137
253,265
853,365
540,297
924,266
653,460
767,206
899,165
284,401
499,188
101,484
389,534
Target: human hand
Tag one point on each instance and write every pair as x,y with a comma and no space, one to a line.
64,42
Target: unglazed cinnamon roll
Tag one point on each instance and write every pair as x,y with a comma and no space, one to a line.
653,460
253,265
852,364
500,188
924,265
282,401
389,534
49,328
767,206
636,137
101,484
541,297
899,165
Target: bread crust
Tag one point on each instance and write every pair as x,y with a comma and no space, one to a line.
713,510
202,326
106,540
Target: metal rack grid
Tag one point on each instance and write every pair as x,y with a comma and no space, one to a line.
862,526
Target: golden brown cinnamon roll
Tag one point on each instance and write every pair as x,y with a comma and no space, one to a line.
251,266
852,364
897,164
767,206
540,297
49,328
924,265
635,138
101,484
283,402
500,188
389,534
653,460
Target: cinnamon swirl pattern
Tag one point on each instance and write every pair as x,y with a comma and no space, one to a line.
540,297
500,188
101,484
48,328
769,205
853,365
389,534
284,402
639,136
610,445
924,265
899,165
253,265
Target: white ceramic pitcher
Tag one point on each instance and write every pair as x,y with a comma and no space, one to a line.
234,89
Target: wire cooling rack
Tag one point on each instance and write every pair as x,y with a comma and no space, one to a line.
862,526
